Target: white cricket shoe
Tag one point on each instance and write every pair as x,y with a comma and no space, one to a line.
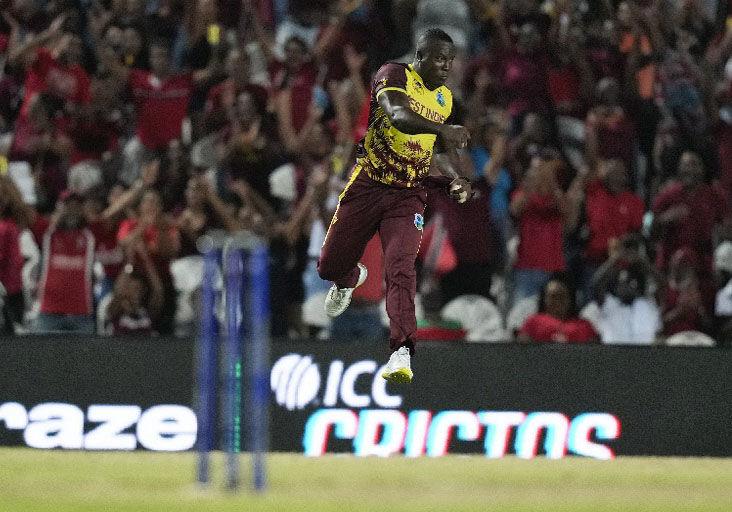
338,299
398,369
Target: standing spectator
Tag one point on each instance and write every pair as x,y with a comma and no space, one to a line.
611,211
522,70
222,97
687,306
161,99
557,320
609,131
488,153
14,217
162,242
473,237
204,211
52,64
137,298
539,207
686,213
65,289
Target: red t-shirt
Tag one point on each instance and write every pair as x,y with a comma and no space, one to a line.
608,217
544,328
108,251
47,75
302,84
161,106
541,234
150,235
707,206
66,281
11,260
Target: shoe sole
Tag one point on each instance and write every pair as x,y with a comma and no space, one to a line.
362,276
400,376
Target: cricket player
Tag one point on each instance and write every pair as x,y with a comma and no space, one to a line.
410,119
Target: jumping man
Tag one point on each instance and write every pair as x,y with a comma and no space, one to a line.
409,119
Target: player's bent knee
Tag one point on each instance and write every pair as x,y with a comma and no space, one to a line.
326,271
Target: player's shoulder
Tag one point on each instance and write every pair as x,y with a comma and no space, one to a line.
392,70
393,65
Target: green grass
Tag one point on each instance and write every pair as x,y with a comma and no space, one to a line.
60,481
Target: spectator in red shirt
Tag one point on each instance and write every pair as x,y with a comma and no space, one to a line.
55,69
539,207
14,217
161,99
557,320
688,300
65,289
686,213
611,211
162,241
39,142
137,298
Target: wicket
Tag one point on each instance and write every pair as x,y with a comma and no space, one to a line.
243,280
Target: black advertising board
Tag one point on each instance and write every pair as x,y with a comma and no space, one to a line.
547,401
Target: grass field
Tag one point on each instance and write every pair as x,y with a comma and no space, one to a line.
58,481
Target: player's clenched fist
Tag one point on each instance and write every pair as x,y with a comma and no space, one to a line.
460,190
453,136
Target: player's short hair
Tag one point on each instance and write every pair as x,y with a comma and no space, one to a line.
433,35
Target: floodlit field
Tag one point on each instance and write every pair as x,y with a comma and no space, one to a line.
60,481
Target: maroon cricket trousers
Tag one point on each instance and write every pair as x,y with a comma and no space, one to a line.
366,207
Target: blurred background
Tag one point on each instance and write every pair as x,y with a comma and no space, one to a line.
601,152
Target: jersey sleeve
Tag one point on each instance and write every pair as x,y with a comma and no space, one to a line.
390,77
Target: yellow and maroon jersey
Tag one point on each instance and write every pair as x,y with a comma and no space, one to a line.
388,155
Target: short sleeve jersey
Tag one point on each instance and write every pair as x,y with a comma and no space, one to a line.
388,155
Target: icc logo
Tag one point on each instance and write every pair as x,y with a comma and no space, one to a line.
295,380
296,383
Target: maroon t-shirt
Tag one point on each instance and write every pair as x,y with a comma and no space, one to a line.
524,80
469,226
707,206
11,260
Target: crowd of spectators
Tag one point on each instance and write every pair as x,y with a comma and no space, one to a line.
600,151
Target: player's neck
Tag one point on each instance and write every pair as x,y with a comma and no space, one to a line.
417,69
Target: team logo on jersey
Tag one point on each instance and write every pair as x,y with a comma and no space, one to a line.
440,98
418,221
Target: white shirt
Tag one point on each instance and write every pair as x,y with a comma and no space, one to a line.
618,323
